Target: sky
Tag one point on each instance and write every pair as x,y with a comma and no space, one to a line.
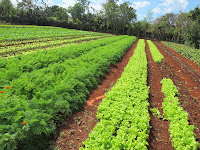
158,7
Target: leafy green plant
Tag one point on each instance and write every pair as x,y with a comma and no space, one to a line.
156,55
123,115
181,133
156,113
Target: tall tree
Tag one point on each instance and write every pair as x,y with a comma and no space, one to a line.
77,12
7,9
195,14
194,27
112,12
127,15
61,14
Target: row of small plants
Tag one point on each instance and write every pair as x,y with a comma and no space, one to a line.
13,33
13,67
41,98
7,44
13,50
191,53
181,133
156,55
123,115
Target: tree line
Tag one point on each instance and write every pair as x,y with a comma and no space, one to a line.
113,18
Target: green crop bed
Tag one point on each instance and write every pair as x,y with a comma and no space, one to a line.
17,40
156,55
123,115
181,133
18,33
37,90
43,45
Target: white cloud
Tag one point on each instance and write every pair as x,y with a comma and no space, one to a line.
67,3
97,7
157,10
97,4
49,3
170,5
141,4
99,1
120,2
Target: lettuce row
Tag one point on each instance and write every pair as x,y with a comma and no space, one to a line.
123,115
44,96
181,133
156,55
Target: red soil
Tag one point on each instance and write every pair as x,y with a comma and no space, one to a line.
186,76
159,135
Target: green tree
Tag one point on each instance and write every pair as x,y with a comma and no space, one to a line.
127,15
195,14
61,14
7,10
112,12
77,12
194,27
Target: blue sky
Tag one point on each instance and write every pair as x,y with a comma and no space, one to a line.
159,7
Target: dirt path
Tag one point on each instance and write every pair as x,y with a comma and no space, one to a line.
186,76
159,135
76,128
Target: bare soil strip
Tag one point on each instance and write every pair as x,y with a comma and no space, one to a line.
75,129
159,135
185,76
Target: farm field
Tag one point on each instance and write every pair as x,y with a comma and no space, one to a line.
39,89
90,90
28,39
75,130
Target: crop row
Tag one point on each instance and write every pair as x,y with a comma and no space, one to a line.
37,100
181,133
191,53
156,55
12,68
9,33
6,44
13,50
123,115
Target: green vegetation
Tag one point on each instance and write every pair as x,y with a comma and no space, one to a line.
191,53
181,133
156,55
39,89
156,113
123,114
12,68
44,45
18,33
